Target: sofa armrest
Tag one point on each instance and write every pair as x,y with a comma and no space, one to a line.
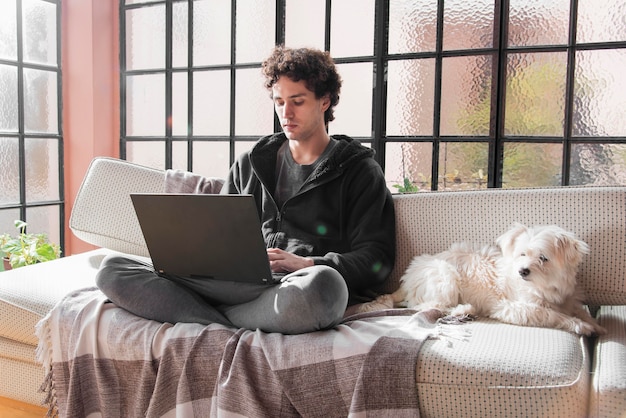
103,214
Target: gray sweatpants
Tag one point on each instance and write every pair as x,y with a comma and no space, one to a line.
306,300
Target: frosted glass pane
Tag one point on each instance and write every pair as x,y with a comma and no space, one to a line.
211,159
40,101
180,34
8,99
148,153
535,94
211,32
304,23
145,105
468,24
353,114
463,165
408,166
352,28
412,26
10,172
256,29
42,169
44,219
8,31
179,155
40,31
145,38
140,1
7,217
410,97
603,23
534,22
211,103
466,95
254,111
598,164
532,165
599,99
180,111
243,146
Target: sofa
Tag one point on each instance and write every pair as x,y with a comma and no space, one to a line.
481,368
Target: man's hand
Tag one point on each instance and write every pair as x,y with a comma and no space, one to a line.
283,262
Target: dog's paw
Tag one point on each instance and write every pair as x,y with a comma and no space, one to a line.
456,319
588,329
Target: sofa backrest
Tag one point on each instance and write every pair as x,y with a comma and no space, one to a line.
430,222
426,222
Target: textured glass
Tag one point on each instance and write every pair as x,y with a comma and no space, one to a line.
598,164
8,31
7,217
352,28
535,94
211,159
412,26
41,111
410,97
599,93
254,111
538,22
211,103
44,219
8,99
256,29
353,114
211,32
145,38
468,24
180,110
463,165
148,153
408,166
179,155
304,23
145,105
532,165
466,95
10,172
601,21
180,34
42,169
40,31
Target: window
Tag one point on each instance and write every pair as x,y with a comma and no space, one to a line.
31,146
461,94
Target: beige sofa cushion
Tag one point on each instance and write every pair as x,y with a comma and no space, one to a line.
29,293
608,390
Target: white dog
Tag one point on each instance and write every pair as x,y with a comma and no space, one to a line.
528,278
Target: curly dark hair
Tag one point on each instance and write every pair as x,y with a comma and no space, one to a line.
315,67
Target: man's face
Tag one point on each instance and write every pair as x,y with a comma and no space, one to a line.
301,114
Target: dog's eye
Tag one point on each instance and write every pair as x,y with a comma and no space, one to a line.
523,255
543,258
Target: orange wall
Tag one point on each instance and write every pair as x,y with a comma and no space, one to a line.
91,110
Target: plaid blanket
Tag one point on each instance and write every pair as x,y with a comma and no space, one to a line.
104,361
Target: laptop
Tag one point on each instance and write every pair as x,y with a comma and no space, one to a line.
204,236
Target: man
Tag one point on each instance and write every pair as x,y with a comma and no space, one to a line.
326,215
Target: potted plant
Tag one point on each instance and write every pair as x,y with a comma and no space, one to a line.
26,248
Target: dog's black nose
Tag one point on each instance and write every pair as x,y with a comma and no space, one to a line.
524,272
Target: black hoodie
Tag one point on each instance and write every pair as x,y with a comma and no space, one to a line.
342,217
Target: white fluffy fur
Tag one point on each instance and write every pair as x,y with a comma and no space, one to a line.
527,278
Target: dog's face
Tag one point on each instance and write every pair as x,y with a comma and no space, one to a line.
545,256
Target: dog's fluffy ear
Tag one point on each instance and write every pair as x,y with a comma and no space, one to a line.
573,248
506,241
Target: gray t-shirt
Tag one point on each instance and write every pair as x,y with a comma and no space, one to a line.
290,176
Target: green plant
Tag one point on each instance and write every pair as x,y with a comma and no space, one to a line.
407,187
26,248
